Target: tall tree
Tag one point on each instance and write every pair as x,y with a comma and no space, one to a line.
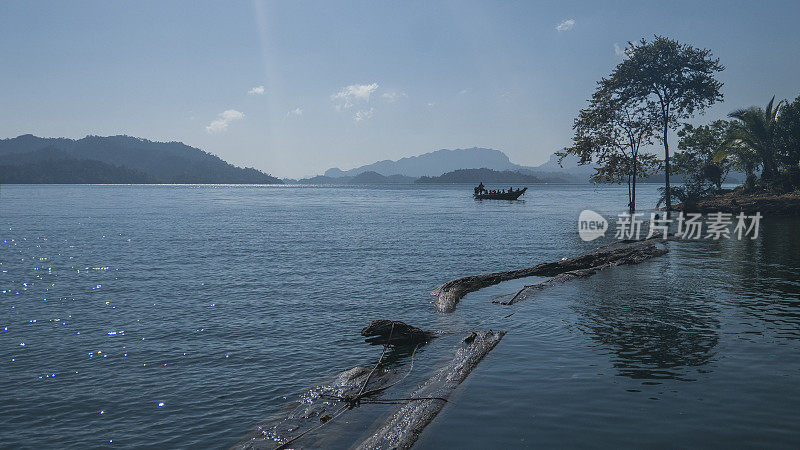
610,132
757,129
677,78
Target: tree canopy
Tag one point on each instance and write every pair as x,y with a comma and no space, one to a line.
677,79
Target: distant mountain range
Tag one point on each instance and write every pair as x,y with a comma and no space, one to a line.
447,166
439,162
131,160
434,163
116,159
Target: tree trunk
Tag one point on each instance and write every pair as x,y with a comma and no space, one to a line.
630,197
633,191
666,167
770,172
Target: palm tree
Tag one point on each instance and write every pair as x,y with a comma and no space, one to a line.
755,129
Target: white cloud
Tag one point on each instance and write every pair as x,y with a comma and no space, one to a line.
619,51
566,25
220,124
364,114
258,90
393,96
463,91
348,95
431,104
295,112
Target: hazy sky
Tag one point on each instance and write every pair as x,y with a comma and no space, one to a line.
294,88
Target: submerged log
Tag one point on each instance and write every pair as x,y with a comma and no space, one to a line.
618,253
403,428
323,404
315,406
394,332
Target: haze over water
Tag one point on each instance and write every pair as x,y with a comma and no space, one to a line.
184,315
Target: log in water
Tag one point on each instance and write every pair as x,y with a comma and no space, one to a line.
618,253
403,428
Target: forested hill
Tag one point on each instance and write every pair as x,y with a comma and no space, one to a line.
486,176
116,159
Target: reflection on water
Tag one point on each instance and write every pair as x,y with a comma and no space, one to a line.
667,325
765,276
695,348
651,336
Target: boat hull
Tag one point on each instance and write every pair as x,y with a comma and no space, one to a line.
501,195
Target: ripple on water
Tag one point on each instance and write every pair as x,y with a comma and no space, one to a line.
231,309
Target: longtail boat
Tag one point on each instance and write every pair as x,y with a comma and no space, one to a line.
512,195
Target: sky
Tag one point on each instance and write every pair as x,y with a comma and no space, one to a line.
296,87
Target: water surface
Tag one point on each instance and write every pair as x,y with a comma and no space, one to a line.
184,315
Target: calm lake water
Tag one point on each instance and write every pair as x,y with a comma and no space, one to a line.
180,316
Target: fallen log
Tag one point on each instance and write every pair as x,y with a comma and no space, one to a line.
403,428
618,253
324,404
317,406
394,332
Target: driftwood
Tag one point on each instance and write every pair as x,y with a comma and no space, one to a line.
394,332
317,406
403,428
618,253
325,403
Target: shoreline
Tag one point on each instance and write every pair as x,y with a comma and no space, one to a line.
767,204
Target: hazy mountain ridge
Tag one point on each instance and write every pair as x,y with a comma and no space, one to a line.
441,165
434,163
155,162
444,161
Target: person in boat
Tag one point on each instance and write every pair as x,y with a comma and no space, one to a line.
480,189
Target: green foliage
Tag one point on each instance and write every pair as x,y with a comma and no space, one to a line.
71,171
788,141
701,147
618,168
755,134
688,195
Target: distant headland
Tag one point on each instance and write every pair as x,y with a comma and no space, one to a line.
29,159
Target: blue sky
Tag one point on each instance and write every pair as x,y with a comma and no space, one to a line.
294,88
